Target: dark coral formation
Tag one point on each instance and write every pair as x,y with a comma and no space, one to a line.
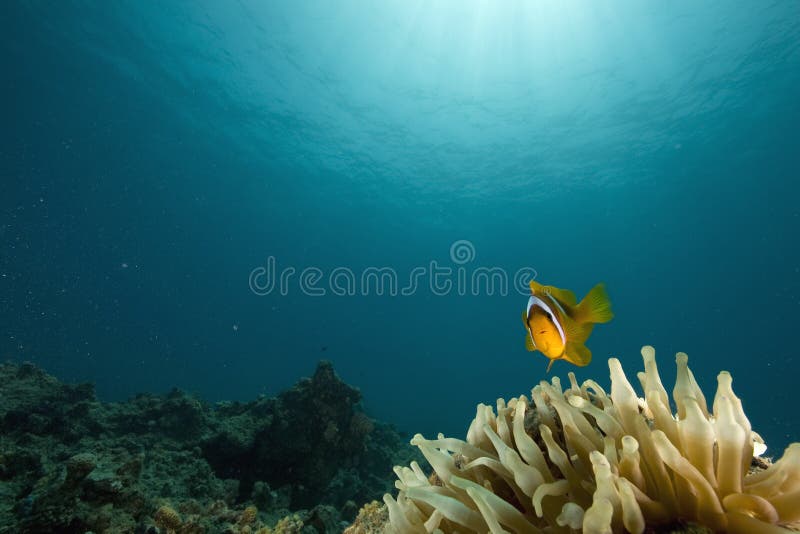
304,460
313,440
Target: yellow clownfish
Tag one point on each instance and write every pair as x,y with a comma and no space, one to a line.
558,326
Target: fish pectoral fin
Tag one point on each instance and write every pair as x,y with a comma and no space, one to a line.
529,344
595,306
578,354
576,332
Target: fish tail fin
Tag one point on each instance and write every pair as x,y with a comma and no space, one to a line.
578,354
595,306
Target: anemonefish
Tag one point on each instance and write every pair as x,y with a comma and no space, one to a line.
558,326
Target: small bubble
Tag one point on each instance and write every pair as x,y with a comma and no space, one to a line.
236,328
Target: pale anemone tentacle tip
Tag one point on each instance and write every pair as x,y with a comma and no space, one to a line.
583,460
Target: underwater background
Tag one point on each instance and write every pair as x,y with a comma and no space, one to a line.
156,157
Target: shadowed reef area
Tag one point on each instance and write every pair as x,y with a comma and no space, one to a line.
305,460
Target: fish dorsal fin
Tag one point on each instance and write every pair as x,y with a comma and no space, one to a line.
536,287
564,296
595,307
525,318
530,346
578,354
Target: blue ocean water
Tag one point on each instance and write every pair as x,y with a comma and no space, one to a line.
158,157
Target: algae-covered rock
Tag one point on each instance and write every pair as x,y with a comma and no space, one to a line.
293,463
314,441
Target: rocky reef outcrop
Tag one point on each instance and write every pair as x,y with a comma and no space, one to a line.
305,460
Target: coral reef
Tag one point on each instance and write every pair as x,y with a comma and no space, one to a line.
371,519
167,519
304,460
312,440
580,459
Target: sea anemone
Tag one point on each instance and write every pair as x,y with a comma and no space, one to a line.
581,459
